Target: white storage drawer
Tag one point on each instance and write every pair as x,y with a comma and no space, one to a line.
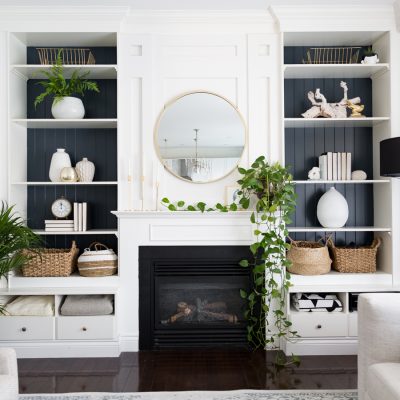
82,328
319,324
353,324
26,328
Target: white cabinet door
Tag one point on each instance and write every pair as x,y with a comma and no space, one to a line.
82,328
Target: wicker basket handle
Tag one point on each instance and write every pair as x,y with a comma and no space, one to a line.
97,246
376,243
73,245
330,242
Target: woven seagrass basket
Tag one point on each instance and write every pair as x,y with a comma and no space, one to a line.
308,258
98,260
51,262
355,259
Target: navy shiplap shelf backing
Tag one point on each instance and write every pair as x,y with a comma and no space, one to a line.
97,141
305,142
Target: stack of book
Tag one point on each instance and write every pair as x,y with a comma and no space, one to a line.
80,217
59,225
335,166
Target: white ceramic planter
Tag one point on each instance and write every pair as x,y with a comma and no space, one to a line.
59,160
370,60
68,108
85,170
332,209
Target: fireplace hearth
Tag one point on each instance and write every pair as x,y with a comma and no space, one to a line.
189,296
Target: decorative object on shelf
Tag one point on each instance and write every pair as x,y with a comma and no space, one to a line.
69,174
59,225
335,166
232,195
64,105
389,157
61,208
38,306
314,174
322,108
308,258
85,170
355,259
332,209
316,302
92,304
356,109
15,238
370,57
80,223
51,262
69,56
358,175
332,55
59,160
97,260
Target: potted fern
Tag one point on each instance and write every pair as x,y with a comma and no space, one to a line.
15,237
65,105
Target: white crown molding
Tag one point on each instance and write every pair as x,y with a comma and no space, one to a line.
332,17
174,21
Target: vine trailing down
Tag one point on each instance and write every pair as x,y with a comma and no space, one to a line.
270,188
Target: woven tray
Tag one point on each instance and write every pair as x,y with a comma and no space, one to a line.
359,259
51,262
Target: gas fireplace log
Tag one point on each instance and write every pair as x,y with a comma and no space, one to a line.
221,316
218,305
186,310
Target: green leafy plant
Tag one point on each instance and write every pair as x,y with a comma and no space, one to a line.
58,86
369,52
15,237
270,188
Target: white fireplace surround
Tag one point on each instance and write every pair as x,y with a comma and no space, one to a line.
164,228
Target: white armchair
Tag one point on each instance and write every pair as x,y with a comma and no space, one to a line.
379,346
8,375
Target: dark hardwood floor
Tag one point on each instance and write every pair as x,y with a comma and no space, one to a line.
185,370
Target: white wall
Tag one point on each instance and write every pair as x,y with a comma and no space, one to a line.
3,116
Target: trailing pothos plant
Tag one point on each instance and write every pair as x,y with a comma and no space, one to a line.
270,191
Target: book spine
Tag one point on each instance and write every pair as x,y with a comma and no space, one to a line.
80,217
330,165
334,166
339,168
323,167
348,166
344,171
67,229
84,217
76,217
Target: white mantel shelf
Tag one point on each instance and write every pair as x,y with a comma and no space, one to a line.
182,214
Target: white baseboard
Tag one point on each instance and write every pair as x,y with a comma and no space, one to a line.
128,343
317,347
64,349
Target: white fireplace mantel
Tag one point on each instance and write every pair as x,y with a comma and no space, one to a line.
167,228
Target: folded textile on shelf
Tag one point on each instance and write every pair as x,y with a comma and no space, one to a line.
316,302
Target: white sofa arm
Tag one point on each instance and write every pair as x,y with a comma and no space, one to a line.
8,374
378,333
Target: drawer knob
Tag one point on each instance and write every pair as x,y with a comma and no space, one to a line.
84,328
23,329
319,326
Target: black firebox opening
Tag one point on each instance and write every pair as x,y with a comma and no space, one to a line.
189,296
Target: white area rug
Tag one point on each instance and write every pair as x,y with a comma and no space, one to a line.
229,395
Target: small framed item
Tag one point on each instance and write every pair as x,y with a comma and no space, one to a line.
61,208
231,195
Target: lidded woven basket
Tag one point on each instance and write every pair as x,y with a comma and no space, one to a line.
308,258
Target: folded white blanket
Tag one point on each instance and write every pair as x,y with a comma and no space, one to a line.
31,306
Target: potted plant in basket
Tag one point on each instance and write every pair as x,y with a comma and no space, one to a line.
370,57
15,237
65,105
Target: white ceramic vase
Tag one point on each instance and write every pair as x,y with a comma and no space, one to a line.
370,60
85,170
59,160
68,108
332,209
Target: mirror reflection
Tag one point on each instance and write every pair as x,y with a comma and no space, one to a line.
200,137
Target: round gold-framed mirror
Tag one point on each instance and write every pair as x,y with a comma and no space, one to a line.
200,136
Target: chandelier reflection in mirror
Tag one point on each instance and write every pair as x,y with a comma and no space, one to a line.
200,137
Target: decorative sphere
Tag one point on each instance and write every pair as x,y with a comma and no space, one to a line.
68,174
358,175
332,209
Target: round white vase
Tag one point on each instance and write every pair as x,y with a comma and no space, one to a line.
68,108
59,160
85,170
332,209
